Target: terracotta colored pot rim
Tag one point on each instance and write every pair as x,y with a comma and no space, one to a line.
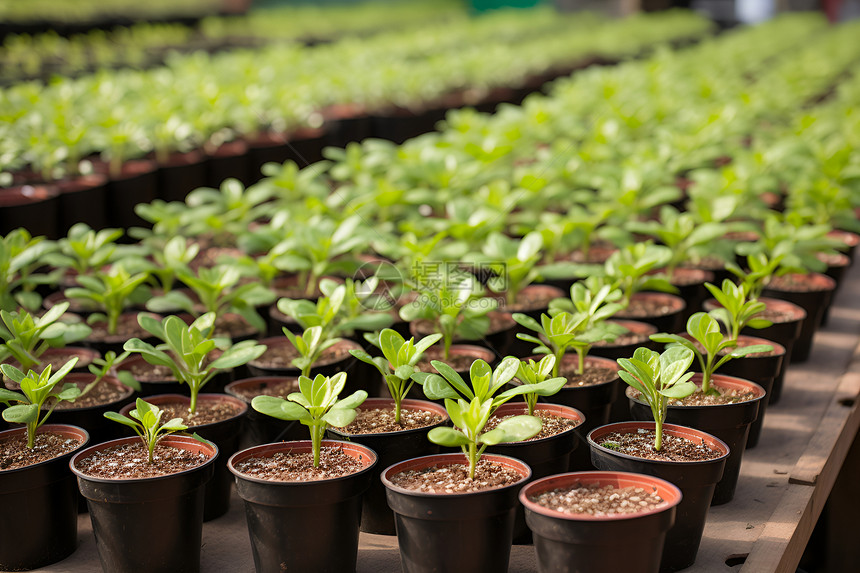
778,349
519,408
406,404
775,304
87,377
668,429
230,388
721,380
356,451
818,282
75,432
668,491
452,459
275,341
182,442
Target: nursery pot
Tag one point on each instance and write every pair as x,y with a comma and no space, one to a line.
813,300
454,532
326,365
257,428
229,160
669,317
92,417
546,456
569,543
83,200
470,351
34,207
594,402
148,524
180,174
224,434
696,480
293,525
39,504
729,422
390,447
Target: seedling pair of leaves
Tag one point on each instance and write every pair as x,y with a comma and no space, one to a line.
397,363
26,338
316,405
146,422
470,406
36,389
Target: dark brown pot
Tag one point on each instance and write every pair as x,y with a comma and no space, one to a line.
180,174
257,428
34,207
136,183
83,200
228,160
814,301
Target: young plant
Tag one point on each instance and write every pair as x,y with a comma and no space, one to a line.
102,367
736,312
533,373
512,262
709,345
87,251
169,260
20,257
220,292
310,345
316,405
397,363
27,338
470,406
146,422
189,350
659,378
36,389
453,302
111,291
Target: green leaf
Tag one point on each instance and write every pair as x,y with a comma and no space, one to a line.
239,354
514,429
447,437
280,408
21,413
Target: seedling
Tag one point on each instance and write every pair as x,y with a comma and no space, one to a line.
111,291
533,373
712,347
659,378
470,406
26,338
397,363
736,312
310,345
145,420
102,367
36,389
316,405
188,350
513,263
20,256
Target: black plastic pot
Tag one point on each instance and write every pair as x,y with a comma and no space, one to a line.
670,320
570,543
34,207
229,160
390,447
92,418
257,428
545,457
224,434
83,200
499,341
39,504
258,367
517,347
304,526
594,402
180,174
813,301
153,524
761,369
136,183
454,532
729,422
470,350
696,481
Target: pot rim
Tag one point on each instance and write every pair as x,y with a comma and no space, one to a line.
200,397
671,429
171,440
283,340
718,380
452,459
797,311
664,488
558,409
268,450
262,380
128,391
47,428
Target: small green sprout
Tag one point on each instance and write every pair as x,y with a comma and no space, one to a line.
145,423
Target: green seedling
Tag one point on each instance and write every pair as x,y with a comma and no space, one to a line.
659,378
111,291
310,345
27,338
513,262
470,406
316,405
533,373
189,350
145,421
710,346
736,312
102,367
397,363
36,389
21,255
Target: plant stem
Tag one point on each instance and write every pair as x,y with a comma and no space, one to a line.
473,459
316,439
581,354
31,435
658,438
397,400
556,368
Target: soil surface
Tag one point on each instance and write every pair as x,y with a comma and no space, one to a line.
127,328
590,377
207,412
675,449
286,466
280,389
282,356
639,308
102,393
592,499
724,396
454,478
776,316
626,339
381,420
529,300
459,362
129,461
552,424
795,282
14,453
145,372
